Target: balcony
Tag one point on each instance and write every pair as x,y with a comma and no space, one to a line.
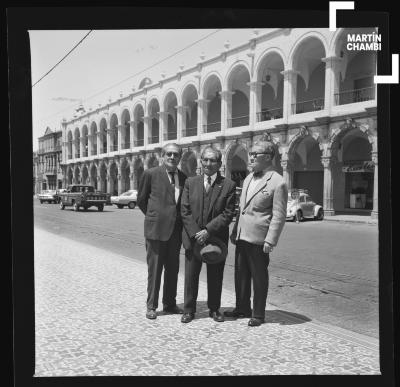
139,142
269,114
77,155
189,132
308,106
94,152
154,139
170,135
354,96
212,127
238,121
69,157
85,153
125,145
113,147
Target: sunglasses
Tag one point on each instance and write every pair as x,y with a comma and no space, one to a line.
210,160
170,154
256,154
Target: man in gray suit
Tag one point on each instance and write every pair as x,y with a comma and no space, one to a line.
260,220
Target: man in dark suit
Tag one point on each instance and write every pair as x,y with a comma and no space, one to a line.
260,220
208,206
159,198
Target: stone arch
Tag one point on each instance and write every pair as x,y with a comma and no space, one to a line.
114,132
77,142
93,137
125,129
70,145
211,91
125,175
70,176
85,140
189,163
154,121
138,134
189,99
93,176
103,177
170,102
236,161
238,103
77,174
85,175
103,135
138,170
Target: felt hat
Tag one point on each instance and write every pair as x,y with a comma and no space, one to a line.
213,251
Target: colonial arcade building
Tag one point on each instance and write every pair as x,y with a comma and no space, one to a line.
315,99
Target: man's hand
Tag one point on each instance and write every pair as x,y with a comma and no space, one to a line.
202,236
267,248
233,239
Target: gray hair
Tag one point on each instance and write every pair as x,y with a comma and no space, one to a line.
268,146
169,144
217,152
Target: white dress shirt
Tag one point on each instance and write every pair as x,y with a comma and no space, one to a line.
213,177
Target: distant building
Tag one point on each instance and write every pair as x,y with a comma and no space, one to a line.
315,99
47,162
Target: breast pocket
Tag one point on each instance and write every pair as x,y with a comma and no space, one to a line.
263,199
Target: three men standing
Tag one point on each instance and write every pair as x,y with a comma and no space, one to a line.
208,206
159,198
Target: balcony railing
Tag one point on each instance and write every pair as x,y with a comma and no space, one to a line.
308,106
94,152
269,114
69,157
77,155
113,147
126,145
154,139
238,121
212,127
189,132
170,135
139,142
353,96
85,153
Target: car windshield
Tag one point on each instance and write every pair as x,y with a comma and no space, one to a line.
128,193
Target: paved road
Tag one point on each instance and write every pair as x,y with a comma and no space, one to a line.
322,270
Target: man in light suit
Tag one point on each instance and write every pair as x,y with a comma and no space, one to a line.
259,223
159,198
208,207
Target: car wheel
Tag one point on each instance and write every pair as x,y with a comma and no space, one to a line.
76,207
120,206
61,206
100,207
131,205
320,214
299,216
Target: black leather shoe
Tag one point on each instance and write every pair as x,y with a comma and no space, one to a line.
151,314
236,314
217,316
173,310
255,322
187,317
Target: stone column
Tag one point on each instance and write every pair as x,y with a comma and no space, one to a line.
328,186
180,121
162,124
254,102
226,109
289,91
119,128
131,133
90,144
99,141
202,107
331,80
81,146
375,212
146,122
119,177
108,131
108,180
286,172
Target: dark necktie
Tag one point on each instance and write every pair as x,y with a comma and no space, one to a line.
172,175
208,185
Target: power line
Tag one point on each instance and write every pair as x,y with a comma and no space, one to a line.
73,48
134,75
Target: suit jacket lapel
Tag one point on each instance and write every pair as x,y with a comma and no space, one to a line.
215,192
165,177
259,186
244,191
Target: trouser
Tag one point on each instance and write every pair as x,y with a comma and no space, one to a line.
163,254
215,273
251,263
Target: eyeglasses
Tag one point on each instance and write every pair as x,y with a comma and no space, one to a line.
256,154
210,160
170,154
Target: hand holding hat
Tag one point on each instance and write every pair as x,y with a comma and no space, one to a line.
212,251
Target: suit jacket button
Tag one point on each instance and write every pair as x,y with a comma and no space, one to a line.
243,212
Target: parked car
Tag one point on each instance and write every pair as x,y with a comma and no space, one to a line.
79,195
300,206
49,196
58,192
128,198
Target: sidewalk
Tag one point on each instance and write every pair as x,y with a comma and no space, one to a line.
351,219
90,321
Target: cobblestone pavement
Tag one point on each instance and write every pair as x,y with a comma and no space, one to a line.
90,321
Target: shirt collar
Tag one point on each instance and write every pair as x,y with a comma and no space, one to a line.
213,177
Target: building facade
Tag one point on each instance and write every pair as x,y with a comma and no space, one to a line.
315,99
47,162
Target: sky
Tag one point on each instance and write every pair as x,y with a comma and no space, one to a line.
108,62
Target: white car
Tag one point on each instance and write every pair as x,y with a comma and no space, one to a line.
300,206
49,196
128,198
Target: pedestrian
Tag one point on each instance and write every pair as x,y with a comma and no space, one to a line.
208,207
159,198
259,223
